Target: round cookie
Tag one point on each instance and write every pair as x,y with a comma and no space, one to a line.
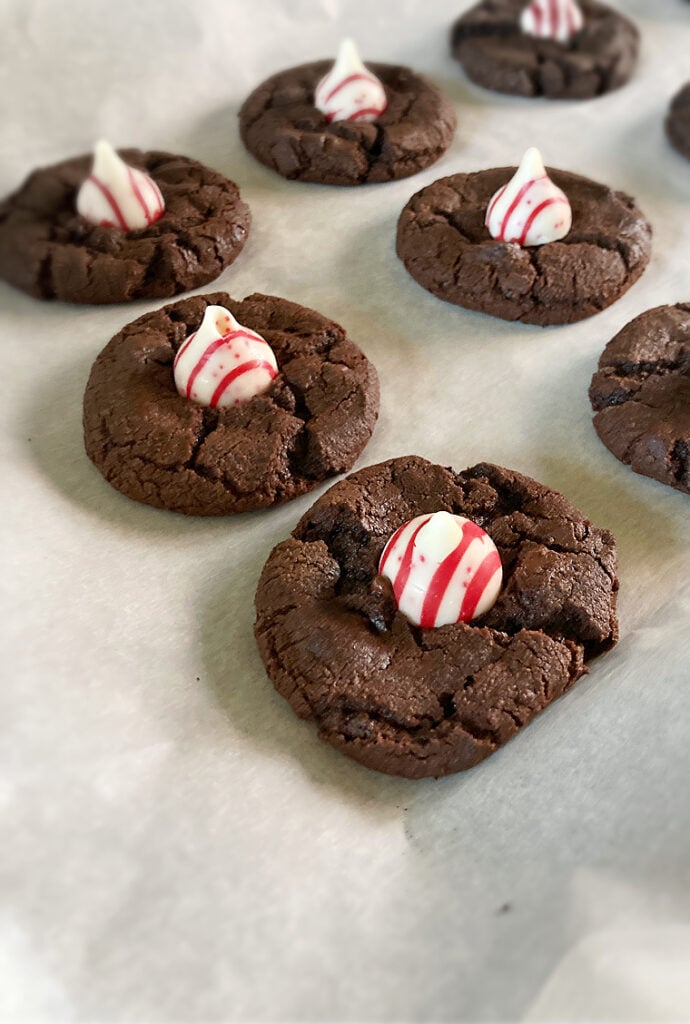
445,246
641,395
165,450
678,121
48,250
496,54
419,702
282,128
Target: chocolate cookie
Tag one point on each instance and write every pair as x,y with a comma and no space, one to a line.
282,128
444,244
418,702
51,252
495,53
678,121
165,450
641,395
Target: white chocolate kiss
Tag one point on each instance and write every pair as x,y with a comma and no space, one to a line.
223,363
443,568
552,19
116,195
350,92
530,209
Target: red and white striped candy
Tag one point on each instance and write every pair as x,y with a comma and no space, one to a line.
552,19
116,195
350,92
530,209
223,363
444,568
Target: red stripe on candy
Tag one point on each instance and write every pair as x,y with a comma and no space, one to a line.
111,200
213,347
538,15
158,198
535,213
493,202
231,335
403,574
208,352
514,205
137,192
554,16
359,76
183,348
389,548
474,592
252,364
441,579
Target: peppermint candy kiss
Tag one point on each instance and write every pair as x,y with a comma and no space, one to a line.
116,195
552,19
223,363
530,209
350,92
444,569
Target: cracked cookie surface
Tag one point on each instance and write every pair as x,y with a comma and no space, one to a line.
678,121
282,128
159,448
445,246
428,702
641,395
496,54
48,250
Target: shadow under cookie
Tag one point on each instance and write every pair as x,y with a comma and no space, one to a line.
677,122
163,449
444,243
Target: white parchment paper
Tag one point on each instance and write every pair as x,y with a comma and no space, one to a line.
176,846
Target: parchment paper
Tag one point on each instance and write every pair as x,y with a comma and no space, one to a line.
176,845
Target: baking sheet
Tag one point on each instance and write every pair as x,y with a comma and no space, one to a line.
177,846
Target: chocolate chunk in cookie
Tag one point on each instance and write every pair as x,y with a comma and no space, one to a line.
48,250
497,54
414,701
641,395
283,129
163,449
445,245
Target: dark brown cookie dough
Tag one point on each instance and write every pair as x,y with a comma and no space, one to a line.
165,450
282,128
48,250
445,246
496,54
418,702
641,395
678,121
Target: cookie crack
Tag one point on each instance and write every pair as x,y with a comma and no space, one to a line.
652,368
209,423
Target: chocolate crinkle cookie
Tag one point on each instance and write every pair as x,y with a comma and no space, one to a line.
283,129
48,250
445,245
641,395
163,449
426,702
678,121
496,54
